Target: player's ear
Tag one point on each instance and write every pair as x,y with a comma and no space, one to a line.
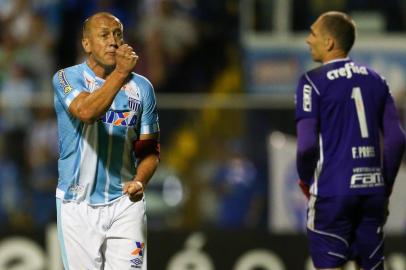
329,43
86,45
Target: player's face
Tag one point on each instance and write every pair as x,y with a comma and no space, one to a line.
316,42
106,35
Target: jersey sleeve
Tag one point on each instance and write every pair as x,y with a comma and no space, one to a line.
307,99
394,140
67,86
149,117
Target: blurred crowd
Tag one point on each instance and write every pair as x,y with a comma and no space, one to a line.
210,167
390,13
382,16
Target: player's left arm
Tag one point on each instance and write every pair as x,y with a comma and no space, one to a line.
147,151
394,143
147,147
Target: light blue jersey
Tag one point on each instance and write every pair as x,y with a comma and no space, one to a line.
96,159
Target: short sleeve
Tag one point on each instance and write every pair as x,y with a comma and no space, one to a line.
149,117
307,99
67,86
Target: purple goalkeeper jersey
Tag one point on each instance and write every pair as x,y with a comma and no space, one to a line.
348,101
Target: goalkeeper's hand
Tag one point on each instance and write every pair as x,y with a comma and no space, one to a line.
305,188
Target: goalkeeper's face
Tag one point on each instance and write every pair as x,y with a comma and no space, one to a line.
316,41
101,41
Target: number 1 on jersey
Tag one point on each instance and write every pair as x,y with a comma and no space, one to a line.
359,104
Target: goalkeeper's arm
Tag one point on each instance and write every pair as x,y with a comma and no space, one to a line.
307,148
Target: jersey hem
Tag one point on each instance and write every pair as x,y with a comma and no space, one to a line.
60,194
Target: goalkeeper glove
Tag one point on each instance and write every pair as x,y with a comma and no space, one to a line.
305,188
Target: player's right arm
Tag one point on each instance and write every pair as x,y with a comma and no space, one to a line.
394,142
307,148
88,107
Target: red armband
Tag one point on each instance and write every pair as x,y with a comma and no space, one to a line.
143,148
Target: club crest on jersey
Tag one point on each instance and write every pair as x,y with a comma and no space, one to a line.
128,119
64,82
133,93
133,104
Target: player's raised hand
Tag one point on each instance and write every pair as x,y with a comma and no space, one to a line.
126,59
134,189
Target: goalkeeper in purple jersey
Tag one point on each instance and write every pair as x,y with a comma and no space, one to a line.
343,109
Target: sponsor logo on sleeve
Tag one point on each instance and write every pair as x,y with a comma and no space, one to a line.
64,82
307,98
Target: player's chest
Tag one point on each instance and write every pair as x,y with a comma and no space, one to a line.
125,108
127,99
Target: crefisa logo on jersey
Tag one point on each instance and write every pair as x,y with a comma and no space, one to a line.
139,253
347,71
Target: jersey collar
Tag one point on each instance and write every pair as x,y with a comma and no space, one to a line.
337,60
91,72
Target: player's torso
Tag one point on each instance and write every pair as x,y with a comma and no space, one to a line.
350,112
99,157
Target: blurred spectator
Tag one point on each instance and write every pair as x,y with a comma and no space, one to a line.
7,8
16,95
18,18
241,191
38,54
12,201
167,36
50,11
42,151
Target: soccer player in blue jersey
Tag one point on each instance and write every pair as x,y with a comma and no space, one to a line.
109,149
343,108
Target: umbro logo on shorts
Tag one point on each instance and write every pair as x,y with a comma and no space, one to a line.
136,263
139,252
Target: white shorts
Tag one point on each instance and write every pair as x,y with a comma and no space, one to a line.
104,237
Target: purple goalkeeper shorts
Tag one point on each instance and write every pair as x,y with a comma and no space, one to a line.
344,228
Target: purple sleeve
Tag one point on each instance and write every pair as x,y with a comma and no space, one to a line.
394,143
307,99
307,148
